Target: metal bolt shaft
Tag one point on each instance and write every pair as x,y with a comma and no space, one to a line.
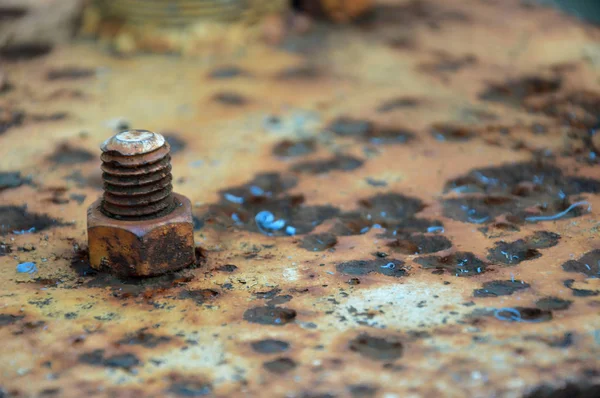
137,177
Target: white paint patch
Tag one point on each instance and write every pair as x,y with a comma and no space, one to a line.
206,358
290,274
402,306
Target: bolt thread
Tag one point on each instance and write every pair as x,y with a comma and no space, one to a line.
137,186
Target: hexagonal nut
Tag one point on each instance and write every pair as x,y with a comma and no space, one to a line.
145,247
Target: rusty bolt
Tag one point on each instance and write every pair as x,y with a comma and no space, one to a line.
139,227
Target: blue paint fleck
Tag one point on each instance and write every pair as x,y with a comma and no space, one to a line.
514,315
256,191
266,223
435,229
25,231
27,268
236,218
291,231
234,199
478,220
559,215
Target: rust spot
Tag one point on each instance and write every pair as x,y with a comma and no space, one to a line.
369,132
267,294
577,292
445,63
10,118
20,52
268,315
8,12
362,390
588,264
70,73
337,163
230,98
240,205
553,304
318,242
280,365
523,249
65,154
577,109
377,348
228,268
301,72
500,288
451,132
570,389
270,346
389,267
561,341
144,338
13,218
189,387
527,314
288,148
12,179
461,264
227,72
5,249
515,92
9,319
420,244
514,190
398,103
200,296
52,117
97,358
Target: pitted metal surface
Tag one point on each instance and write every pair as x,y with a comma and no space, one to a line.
431,182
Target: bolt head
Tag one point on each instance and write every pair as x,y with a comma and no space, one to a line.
133,142
142,248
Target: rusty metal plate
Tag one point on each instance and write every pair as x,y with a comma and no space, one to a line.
435,168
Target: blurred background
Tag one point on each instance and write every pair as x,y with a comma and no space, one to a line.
186,27
584,9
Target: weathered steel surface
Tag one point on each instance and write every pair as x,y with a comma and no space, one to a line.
437,163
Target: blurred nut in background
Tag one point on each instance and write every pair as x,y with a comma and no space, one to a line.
187,27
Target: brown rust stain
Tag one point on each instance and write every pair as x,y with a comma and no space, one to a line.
428,240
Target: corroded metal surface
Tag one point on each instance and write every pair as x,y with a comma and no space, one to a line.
439,172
